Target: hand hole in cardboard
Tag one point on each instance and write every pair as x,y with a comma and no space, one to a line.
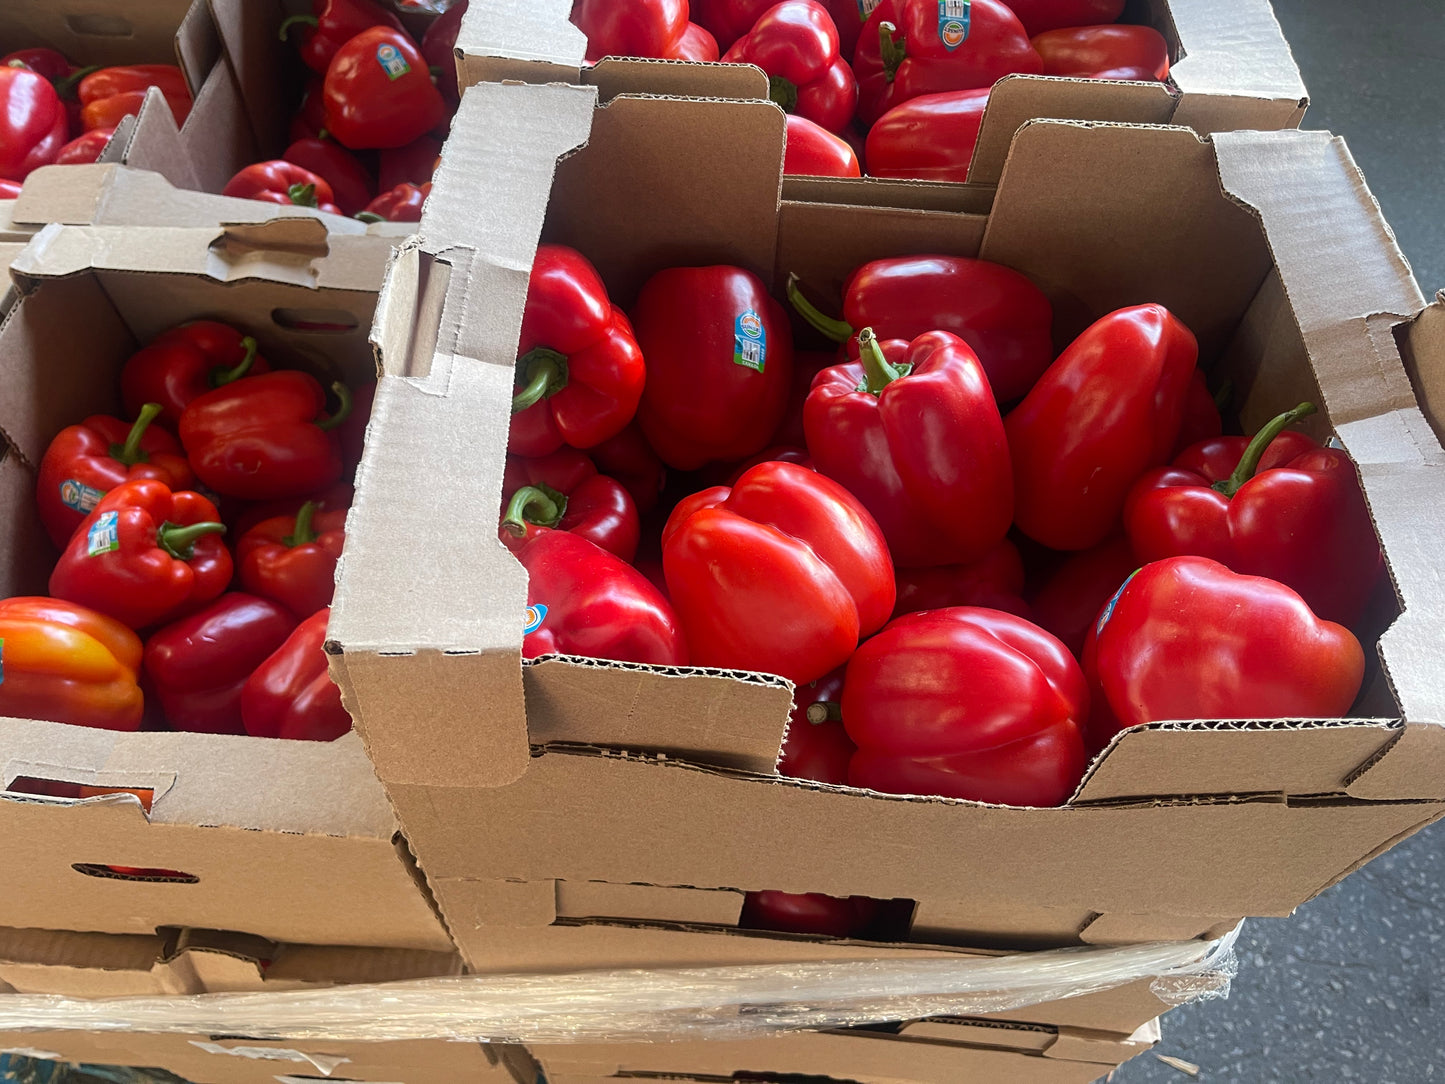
100,26
321,321
147,874
60,788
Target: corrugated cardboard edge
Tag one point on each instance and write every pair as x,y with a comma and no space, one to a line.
1236,61
531,41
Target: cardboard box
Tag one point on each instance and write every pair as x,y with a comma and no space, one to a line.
1231,69
292,841
499,771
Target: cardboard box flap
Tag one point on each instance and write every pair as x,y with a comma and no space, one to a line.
597,899
532,41
1233,50
1423,345
90,33
63,948
876,192
632,75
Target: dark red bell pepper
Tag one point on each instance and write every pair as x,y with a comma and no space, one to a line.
86,461
813,151
1105,52
110,94
279,181
997,311
413,164
582,600
265,437
1186,638
198,665
579,371
807,912
630,459
351,433
33,123
146,555
719,364
1041,15
695,44
439,45
350,183
1302,521
402,204
918,439
564,492
291,694
1069,600
331,24
807,364
378,92
1106,411
849,17
727,20
292,559
337,497
782,573
817,746
50,64
309,120
1202,418
928,138
641,28
777,453
84,149
184,363
913,47
796,44
967,703
995,581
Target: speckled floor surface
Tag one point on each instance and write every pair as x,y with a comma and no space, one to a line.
1352,987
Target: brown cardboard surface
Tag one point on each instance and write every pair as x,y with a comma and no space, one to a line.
123,32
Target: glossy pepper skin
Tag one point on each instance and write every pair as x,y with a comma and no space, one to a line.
906,48
796,44
918,439
1041,15
439,45
1106,411
145,556
68,664
630,459
84,149
564,492
641,28
585,601
928,138
110,94
33,124
1186,638
728,20
995,581
86,461
1069,600
265,437
813,151
279,181
782,573
719,364
413,164
967,703
695,44
291,694
331,24
1202,419
292,559
350,183
1302,521
198,665
401,204
849,17
378,92
185,362
1105,52
993,308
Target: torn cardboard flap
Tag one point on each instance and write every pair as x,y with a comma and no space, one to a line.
1236,52
532,41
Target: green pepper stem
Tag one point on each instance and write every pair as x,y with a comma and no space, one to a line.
784,92
343,411
302,533
130,453
65,88
368,217
545,371
878,372
893,49
1223,396
1249,462
824,711
540,505
221,376
180,542
302,195
310,20
837,330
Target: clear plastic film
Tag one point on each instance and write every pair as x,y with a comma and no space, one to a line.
644,1005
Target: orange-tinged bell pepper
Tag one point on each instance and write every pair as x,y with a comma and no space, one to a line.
68,664
110,94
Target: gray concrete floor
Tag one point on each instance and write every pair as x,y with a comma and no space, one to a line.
1353,986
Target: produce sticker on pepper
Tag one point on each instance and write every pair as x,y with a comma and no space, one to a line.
104,534
953,23
535,616
750,341
391,61
1113,602
865,9
79,497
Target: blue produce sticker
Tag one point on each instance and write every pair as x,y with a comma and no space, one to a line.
953,23
104,534
1109,606
79,497
865,9
750,341
2,661
535,616
391,61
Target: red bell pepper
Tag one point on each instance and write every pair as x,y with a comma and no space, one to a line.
695,44
412,164
778,453
813,151
719,364
796,44
579,371
279,181
110,94
331,24
145,556
967,703
309,120
582,600
378,92
439,45
564,492
995,581
68,664
807,364
928,138
1202,418
1071,597
1302,521
402,204
198,665
728,20
918,439
997,311
351,433
10,189
1186,638
84,149
1105,52
641,28
817,746
783,573
849,17
292,559
50,64
184,363
86,461
351,185
807,912
265,437
291,694
913,47
1041,15
1106,411
630,459
333,498
33,124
